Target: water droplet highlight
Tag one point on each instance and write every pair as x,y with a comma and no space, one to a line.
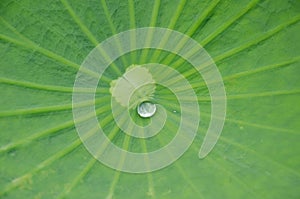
146,109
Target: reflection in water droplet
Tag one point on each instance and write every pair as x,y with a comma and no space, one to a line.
146,109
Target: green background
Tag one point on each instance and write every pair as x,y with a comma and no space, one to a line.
255,45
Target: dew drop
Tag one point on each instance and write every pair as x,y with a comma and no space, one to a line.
146,109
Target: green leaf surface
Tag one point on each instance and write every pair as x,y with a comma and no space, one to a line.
255,45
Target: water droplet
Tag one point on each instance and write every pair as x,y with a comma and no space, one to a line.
146,109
